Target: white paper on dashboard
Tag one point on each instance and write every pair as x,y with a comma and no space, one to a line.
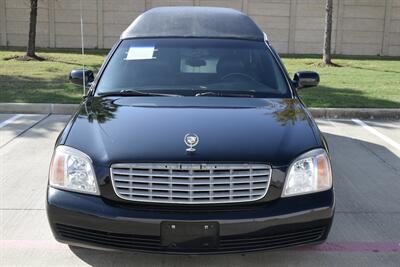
140,53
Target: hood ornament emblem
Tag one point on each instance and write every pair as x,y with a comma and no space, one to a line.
191,140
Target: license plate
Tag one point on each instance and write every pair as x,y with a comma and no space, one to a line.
189,235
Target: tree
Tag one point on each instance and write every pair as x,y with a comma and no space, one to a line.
326,57
31,49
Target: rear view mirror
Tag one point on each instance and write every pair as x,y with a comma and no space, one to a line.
304,79
196,62
76,76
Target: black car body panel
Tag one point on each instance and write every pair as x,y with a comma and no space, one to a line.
232,130
96,223
197,22
258,120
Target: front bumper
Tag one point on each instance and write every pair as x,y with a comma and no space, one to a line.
90,221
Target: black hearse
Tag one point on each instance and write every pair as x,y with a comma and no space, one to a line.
191,139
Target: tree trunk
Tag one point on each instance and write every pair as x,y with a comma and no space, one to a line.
32,29
326,57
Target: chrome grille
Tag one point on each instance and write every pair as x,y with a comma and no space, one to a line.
190,183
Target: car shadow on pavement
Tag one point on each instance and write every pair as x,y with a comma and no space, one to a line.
359,219
108,258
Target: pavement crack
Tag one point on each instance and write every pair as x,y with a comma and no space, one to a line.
26,130
379,157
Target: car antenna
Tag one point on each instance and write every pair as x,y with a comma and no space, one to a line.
83,50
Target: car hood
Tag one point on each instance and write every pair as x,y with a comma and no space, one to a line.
152,129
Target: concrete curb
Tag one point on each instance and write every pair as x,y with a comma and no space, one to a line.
329,113
359,113
38,108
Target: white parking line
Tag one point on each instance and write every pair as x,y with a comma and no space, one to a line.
376,133
10,120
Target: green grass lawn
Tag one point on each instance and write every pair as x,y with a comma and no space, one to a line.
44,81
360,82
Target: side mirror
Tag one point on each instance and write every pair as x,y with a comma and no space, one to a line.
304,79
77,76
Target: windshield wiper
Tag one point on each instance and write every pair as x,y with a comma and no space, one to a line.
210,93
131,92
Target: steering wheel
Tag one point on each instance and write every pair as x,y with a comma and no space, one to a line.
238,74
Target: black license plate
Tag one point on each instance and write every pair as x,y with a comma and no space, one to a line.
189,235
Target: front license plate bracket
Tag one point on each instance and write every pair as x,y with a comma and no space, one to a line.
189,235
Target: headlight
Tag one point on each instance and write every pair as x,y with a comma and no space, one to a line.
72,170
309,173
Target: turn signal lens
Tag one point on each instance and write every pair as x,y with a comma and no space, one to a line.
324,176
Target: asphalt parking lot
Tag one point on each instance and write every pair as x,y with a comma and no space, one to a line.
366,229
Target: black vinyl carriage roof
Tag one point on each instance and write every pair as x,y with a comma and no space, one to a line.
197,22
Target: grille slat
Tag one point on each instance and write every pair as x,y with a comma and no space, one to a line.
194,175
172,188
187,182
190,183
281,237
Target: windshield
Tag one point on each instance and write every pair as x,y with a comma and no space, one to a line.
188,66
